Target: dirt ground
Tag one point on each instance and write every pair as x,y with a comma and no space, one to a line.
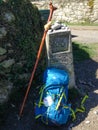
85,34
87,79
86,73
88,82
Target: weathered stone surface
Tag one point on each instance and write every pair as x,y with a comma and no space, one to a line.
3,32
24,76
5,89
8,17
10,51
7,63
2,51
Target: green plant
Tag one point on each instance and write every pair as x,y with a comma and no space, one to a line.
91,4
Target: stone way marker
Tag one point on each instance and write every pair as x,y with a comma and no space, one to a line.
59,50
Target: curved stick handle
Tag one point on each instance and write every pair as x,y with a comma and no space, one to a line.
52,8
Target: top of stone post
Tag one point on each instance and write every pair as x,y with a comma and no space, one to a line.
58,27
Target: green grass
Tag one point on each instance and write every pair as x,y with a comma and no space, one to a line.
82,24
83,51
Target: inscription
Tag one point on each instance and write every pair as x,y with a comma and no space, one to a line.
59,44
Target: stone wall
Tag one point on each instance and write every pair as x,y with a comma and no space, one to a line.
73,11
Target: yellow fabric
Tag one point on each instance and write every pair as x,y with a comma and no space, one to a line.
38,116
82,108
59,101
84,99
40,100
73,113
47,26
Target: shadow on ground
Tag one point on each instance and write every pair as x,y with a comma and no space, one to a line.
86,72
73,36
86,80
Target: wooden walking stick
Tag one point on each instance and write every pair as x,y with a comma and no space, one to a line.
52,8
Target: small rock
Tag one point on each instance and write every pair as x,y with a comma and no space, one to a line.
8,63
96,112
87,122
24,76
70,126
63,27
5,89
96,74
3,32
3,57
9,17
56,26
2,51
8,45
12,105
10,51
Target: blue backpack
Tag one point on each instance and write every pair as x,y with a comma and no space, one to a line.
52,107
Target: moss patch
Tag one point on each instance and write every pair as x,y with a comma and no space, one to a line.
24,36
91,4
